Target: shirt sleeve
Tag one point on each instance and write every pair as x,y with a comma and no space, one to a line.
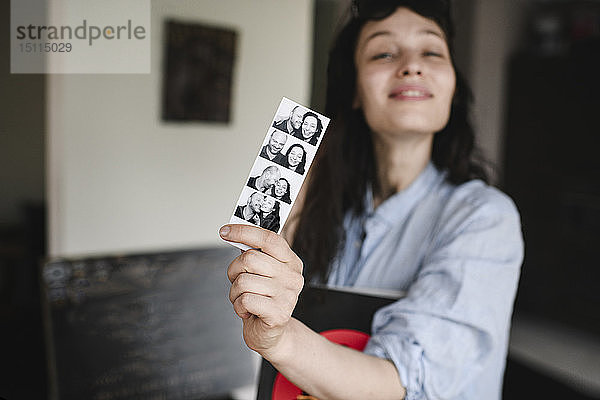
457,311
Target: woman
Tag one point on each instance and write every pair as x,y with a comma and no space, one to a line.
281,190
295,159
396,201
311,128
269,214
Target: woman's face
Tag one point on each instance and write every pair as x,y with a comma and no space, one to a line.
309,127
295,156
267,205
405,77
280,188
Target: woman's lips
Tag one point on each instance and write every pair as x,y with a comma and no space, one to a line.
406,92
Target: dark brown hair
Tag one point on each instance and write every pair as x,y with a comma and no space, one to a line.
301,164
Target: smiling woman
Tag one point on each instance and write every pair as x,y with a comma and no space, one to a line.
295,158
397,202
405,79
310,128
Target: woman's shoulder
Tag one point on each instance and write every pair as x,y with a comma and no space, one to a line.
476,200
477,220
476,193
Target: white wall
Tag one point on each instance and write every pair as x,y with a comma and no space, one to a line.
121,180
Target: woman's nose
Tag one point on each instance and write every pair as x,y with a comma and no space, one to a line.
410,65
409,71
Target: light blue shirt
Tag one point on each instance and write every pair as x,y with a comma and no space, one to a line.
456,252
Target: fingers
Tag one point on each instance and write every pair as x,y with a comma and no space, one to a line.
259,238
266,283
284,288
250,283
254,262
265,308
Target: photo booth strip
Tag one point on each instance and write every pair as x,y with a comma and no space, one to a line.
263,179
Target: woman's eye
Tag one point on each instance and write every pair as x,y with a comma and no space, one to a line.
432,54
383,56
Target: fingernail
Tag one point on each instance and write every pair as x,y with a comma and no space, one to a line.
224,231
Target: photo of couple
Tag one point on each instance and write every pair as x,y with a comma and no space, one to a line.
304,125
294,157
261,210
282,163
272,183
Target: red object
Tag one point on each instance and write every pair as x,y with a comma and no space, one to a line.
286,390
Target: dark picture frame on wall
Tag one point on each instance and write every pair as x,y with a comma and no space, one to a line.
198,72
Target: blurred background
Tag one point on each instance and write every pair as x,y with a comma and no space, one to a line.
96,177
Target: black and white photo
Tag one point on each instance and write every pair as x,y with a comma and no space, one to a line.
259,209
281,191
266,180
294,158
280,167
274,179
269,214
250,211
292,124
310,128
272,150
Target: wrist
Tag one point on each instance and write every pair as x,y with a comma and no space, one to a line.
283,350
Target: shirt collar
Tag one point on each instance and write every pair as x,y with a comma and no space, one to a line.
394,209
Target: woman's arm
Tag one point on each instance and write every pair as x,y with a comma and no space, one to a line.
328,370
448,336
264,291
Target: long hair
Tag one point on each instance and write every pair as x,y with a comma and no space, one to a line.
301,164
345,165
287,195
313,139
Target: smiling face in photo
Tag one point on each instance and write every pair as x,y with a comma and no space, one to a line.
309,127
277,142
256,201
268,205
270,175
295,155
281,188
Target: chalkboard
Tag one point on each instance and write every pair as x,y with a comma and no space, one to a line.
152,326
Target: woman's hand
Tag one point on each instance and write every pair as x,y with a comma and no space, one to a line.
265,285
